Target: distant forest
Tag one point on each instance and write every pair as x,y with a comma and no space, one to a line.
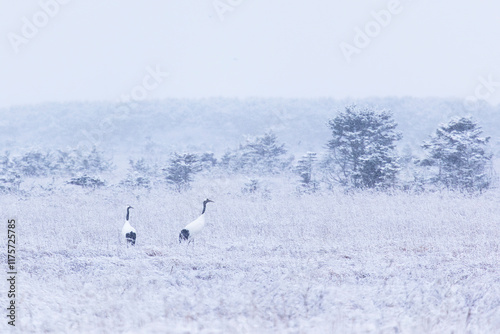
409,144
160,127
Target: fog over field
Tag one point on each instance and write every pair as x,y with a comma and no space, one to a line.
276,255
231,166
217,124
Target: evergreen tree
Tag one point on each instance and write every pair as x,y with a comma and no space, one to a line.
458,154
65,162
94,162
181,169
229,161
76,162
362,150
86,181
10,179
139,175
34,164
304,168
207,161
263,155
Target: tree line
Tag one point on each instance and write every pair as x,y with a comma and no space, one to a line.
360,154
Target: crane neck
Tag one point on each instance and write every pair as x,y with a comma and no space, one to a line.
204,207
128,213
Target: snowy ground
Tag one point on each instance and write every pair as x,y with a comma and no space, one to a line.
362,263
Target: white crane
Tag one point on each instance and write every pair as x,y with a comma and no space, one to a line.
128,231
195,226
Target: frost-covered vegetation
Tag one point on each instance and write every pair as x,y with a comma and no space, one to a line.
365,233
361,154
458,151
362,150
267,262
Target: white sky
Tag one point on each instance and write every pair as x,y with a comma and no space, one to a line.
101,49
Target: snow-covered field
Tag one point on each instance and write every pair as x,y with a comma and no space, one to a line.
329,263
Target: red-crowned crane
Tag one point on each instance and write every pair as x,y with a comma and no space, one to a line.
195,227
128,231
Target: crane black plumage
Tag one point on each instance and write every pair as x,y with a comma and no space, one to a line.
128,231
195,227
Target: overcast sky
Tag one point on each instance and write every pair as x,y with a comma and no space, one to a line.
104,49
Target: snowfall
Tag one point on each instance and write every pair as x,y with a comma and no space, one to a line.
270,262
